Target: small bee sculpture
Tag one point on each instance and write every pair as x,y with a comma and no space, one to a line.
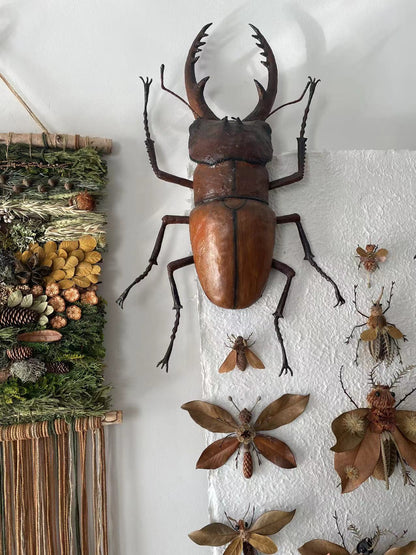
370,257
245,434
365,546
241,355
244,537
381,336
373,441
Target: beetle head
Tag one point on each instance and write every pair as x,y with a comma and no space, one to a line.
380,397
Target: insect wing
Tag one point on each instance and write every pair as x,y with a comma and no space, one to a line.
275,451
215,534
235,547
281,412
394,332
211,417
409,549
229,363
263,543
322,547
218,453
271,522
406,422
355,466
406,448
253,359
349,428
361,252
381,255
369,335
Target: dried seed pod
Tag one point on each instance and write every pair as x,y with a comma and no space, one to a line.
37,290
19,352
57,303
17,188
18,316
53,181
83,201
42,188
74,312
68,186
52,289
71,295
3,179
57,367
58,322
247,464
27,182
89,297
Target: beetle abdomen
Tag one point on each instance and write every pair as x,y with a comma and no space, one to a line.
232,243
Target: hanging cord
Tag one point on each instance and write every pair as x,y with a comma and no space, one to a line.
23,103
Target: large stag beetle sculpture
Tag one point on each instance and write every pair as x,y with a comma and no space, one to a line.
232,226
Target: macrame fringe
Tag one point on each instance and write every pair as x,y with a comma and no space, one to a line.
47,472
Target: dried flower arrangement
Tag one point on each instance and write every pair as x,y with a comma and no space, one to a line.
372,441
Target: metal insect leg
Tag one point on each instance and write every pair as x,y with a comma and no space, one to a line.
172,266
166,220
289,273
295,218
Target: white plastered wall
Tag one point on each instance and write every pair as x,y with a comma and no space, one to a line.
78,63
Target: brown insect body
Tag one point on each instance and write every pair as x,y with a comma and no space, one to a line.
232,227
245,434
370,258
241,356
381,336
372,441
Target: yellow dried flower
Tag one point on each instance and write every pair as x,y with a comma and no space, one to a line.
351,472
354,424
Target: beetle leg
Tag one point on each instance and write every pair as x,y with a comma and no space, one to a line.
172,266
389,299
347,339
150,145
295,218
355,303
356,351
166,220
289,273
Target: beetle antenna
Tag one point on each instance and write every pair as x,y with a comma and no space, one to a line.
371,376
344,389
162,84
339,530
245,514
405,397
231,520
399,375
256,403
380,297
231,400
308,84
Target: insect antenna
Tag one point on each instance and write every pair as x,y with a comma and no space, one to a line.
390,296
252,517
339,530
245,514
231,520
308,84
399,375
162,84
356,532
231,401
398,538
405,397
344,389
371,379
256,403
381,296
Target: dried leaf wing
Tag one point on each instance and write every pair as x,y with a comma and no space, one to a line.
406,448
229,363
349,428
235,547
406,422
322,547
275,451
271,522
218,453
215,534
282,411
381,255
211,417
394,332
262,543
409,549
361,252
253,359
369,334
355,466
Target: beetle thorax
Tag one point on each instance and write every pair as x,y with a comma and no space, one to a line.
244,534
382,411
245,433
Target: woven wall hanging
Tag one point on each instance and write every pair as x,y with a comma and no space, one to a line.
53,400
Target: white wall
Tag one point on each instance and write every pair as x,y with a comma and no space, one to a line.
77,63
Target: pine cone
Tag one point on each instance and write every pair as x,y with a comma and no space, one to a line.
18,316
247,465
57,367
19,352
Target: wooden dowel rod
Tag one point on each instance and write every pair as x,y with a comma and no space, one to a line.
57,140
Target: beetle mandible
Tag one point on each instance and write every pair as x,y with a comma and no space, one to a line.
232,227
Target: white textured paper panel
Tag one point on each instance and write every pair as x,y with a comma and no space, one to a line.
346,198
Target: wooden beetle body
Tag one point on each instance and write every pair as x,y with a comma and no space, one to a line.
232,227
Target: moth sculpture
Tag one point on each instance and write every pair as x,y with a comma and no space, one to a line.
381,336
364,545
245,434
370,258
244,537
372,441
232,226
241,355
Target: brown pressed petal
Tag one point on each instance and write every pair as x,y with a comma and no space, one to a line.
406,422
218,453
369,335
211,417
229,363
346,439
322,547
409,549
406,448
253,359
394,332
262,543
215,534
271,522
275,451
282,411
235,547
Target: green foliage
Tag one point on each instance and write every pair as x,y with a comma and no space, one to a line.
21,234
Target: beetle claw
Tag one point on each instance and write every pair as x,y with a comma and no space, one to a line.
286,369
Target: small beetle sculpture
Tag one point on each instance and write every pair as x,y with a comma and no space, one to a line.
232,227
365,545
241,355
